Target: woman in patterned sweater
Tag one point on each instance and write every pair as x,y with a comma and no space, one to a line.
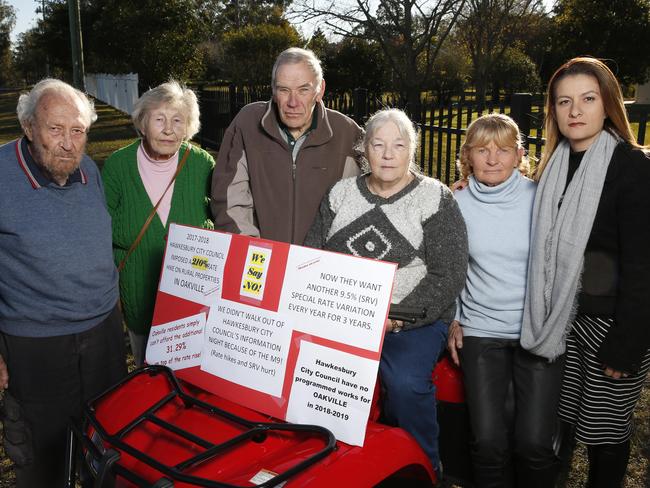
395,214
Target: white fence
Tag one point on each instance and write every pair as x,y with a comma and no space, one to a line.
119,91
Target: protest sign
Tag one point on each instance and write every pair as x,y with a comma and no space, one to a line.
177,344
289,331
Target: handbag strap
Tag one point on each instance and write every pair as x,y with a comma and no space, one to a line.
153,211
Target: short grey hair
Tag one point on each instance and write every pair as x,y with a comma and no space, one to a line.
295,55
169,93
406,129
28,102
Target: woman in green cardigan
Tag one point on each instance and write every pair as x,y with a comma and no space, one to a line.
145,175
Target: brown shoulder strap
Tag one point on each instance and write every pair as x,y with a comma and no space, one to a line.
153,211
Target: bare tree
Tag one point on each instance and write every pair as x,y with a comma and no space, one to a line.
410,33
488,27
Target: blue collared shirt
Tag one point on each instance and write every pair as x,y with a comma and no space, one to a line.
35,174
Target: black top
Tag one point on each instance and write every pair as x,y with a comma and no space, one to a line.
616,277
575,158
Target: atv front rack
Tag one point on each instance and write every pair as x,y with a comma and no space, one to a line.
103,450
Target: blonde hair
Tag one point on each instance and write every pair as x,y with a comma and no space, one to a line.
491,127
610,92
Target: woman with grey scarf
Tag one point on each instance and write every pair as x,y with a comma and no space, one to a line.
588,279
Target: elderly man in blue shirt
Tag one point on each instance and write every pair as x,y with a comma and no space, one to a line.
61,341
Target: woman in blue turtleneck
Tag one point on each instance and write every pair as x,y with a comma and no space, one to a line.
512,446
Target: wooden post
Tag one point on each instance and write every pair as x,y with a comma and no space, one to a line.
76,43
232,99
520,108
360,105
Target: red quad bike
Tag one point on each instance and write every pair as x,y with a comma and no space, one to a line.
149,430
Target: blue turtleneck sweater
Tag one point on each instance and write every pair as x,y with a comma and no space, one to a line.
498,222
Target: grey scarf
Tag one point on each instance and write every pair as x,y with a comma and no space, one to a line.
558,240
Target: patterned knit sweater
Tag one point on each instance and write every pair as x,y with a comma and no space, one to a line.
129,206
420,228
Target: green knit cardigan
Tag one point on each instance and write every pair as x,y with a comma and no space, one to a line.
129,206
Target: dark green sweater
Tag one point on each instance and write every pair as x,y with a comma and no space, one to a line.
129,206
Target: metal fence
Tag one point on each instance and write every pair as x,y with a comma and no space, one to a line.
442,125
219,105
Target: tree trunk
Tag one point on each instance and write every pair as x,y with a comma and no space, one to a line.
496,92
480,81
481,87
414,103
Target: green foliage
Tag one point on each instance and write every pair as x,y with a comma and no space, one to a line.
213,64
45,49
319,44
450,72
250,52
403,45
237,14
7,21
7,18
247,36
535,40
183,39
155,39
516,72
490,27
618,31
29,56
410,34
355,63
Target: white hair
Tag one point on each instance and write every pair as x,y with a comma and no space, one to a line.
170,93
28,102
295,55
404,125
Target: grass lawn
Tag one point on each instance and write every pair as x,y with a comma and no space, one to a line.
114,130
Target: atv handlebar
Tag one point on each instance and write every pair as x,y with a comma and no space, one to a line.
406,314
